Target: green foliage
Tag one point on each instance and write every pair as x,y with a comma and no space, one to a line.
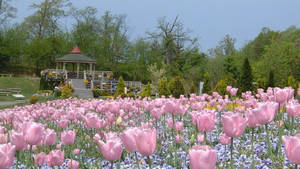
206,86
163,89
33,99
291,81
246,81
261,83
57,93
221,87
176,87
146,92
66,91
97,93
271,82
120,88
193,88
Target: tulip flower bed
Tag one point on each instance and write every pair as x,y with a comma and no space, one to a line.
199,132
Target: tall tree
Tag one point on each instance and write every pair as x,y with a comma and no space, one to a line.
45,20
173,38
246,78
6,12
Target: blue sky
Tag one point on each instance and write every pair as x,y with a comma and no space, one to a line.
210,20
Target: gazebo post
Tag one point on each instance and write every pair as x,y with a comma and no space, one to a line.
64,65
56,70
78,65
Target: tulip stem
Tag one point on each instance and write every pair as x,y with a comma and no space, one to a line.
268,141
231,153
111,164
149,162
296,166
204,138
293,125
137,160
252,147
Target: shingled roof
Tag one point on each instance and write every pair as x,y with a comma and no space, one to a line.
76,56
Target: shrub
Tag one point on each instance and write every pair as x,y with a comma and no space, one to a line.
96,93
67,91
57,93
146,92
292,82
33,99
206,85
221,87
120,88
193,88
176,87
163,89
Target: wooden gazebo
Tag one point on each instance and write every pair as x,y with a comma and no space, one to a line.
76,57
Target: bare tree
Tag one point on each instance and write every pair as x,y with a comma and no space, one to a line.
173,38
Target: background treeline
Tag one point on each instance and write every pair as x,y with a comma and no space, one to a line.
167,52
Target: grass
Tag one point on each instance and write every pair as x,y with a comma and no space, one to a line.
28,87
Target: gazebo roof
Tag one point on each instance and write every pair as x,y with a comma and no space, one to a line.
76,56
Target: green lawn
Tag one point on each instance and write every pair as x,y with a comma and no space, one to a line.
28,87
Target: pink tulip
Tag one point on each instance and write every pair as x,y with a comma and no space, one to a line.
298,92
206,121
50,137
233,91
68,137
55,158
58,146
178,139
96,138
200,138
293,110
34,133
7,155
128,138
63,123
266,112
72,164
179,126
76,151
228,88
202,157
170,122
3,138
112,148
18,139
40,158
146,141
251,118
233,124
2,130
225,139
292,148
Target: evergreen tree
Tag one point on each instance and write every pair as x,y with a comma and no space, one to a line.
271,82
206,86
176,87
247,78
163,89
120,88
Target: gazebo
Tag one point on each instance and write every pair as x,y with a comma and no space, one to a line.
76,57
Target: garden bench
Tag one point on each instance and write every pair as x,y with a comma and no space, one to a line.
4,93
6,75
14,90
